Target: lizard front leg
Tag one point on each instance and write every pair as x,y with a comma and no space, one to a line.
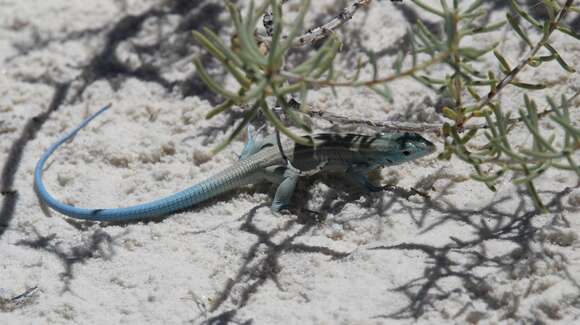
359,175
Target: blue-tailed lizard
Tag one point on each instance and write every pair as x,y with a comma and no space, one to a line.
353,155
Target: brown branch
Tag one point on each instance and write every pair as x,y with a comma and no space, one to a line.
320,32
397,126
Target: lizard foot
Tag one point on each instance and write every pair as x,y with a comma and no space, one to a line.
309,217
305,216
406,193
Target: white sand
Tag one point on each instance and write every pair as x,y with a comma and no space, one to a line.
468,256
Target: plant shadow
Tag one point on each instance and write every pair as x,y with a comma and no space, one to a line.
261,261
98,244
465,259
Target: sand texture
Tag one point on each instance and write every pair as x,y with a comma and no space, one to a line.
465,256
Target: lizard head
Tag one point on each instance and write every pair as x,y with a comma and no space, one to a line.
396,148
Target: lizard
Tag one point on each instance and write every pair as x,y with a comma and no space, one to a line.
353,155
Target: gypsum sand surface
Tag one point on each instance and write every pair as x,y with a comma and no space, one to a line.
466,255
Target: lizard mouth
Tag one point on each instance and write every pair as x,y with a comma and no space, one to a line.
430,146
427,146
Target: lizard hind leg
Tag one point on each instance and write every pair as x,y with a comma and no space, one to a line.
284,193
286,179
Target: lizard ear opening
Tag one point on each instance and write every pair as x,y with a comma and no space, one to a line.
266,145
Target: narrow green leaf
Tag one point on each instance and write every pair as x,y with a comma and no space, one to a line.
257,14
308,65
474,6
275,57
546,58
248,116
526,180
224,55
473,93
472,53
384,91
502,60
445,155
471,16
327,60
553,105
491,179
428,8
211,83
234,14
297,26
471,71
449,113
546,31
209,46
220,108
542,154
492,80
290,88
573,164
528,85
359,66
429,38
574,132
535,131
559,58
450,32
270,116
534,62
525,15
567,30
484,29
444,5
257,91
518,30
550,9
433,80
291,112
226,50
249,47
481,82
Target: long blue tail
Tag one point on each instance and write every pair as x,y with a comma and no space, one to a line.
172,203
